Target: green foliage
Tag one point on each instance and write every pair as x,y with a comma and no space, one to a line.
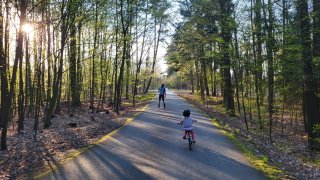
316,128
316,67
199,30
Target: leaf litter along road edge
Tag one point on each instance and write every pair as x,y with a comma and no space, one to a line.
129,119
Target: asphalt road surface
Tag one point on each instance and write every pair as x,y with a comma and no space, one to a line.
151,147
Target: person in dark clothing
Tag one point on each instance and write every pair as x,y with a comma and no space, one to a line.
162,95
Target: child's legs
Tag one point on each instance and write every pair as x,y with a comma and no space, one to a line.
185,133
192,134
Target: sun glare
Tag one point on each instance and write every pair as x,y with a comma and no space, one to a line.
27,28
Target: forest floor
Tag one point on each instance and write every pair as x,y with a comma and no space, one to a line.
289,150
26,157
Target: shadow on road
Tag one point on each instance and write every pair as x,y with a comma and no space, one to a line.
151,147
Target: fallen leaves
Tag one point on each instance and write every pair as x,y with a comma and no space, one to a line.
26,157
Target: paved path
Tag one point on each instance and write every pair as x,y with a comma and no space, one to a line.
151,147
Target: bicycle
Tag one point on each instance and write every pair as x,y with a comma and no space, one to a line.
188,138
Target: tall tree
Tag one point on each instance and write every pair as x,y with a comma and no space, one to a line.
94,53
312,105
3,74
8,94
256,40
270,46
140,58
58,75
74,88
159,9
126,19
226,27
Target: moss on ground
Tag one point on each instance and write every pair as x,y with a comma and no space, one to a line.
146,97
141,98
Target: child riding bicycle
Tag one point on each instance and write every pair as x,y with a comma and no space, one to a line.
187,124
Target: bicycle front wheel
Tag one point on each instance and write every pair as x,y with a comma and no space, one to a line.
189,141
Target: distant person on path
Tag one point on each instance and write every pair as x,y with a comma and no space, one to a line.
162,95
187,124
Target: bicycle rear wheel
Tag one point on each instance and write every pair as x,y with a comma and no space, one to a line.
189,141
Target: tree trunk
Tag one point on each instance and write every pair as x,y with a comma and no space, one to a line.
37,100
93,84
312,105
49,55
211,80
192,80
103,73
201,78
126,23
79,65
139,62
4,79
270,45
196,63
75,99
205,78
21,97
58,76
28,84
256,65
240,74
258,33
115,71
128,65
7,35
214,79
7,97
226,11
157,36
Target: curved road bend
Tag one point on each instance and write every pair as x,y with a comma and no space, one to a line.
151,147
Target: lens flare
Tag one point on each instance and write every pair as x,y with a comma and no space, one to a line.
27,28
